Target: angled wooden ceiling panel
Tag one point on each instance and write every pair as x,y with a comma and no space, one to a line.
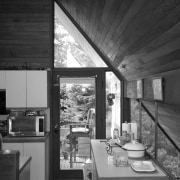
138,37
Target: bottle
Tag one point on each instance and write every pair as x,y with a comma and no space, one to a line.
124,133
115,133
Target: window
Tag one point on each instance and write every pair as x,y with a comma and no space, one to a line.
167,154
113,103
148,133
71,49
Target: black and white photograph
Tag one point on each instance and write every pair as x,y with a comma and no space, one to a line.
89,89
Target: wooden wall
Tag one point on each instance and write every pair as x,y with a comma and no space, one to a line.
171,87
25,34
169,108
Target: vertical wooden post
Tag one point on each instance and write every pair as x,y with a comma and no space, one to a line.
140,120
71,148
156,128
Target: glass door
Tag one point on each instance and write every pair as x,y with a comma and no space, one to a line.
113,104
77,120
77,110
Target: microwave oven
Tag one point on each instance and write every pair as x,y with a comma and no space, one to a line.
26,125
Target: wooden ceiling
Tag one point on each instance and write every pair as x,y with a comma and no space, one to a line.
138,38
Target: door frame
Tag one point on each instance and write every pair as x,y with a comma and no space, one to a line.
100,113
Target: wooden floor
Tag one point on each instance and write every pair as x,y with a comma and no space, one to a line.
79,164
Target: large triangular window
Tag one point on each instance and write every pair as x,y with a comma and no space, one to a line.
70,48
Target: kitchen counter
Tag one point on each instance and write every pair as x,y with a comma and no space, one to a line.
104,169
37,147
13,165
21,139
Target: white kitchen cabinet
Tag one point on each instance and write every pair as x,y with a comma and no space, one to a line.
26,89
37,89
104,169
2,80
94,172
15,89
39,152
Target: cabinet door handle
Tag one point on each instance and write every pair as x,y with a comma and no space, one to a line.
56,128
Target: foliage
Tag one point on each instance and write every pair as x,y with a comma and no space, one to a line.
64,43
167,155
77,102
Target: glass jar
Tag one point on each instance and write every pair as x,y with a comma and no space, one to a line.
120,157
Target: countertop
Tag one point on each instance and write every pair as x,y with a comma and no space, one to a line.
23,161
107,170
12,163
21,139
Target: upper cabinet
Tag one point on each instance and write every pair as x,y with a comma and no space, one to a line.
26,89
36,88
15,89
2,80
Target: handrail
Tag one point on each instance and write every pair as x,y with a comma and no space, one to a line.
160,127
168,137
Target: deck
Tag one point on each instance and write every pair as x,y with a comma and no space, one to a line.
79,164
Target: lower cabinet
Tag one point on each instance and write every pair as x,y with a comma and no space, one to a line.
39,152
38,164
25,173
94,172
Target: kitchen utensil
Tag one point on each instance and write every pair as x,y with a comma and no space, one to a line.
134,149
31,113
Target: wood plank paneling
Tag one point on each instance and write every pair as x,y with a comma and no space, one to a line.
169,108
154,23
131,32
116,27
123,26
112,36
171,87
98,11
155,45
111,8
137,26
168,118
164,63
25,34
